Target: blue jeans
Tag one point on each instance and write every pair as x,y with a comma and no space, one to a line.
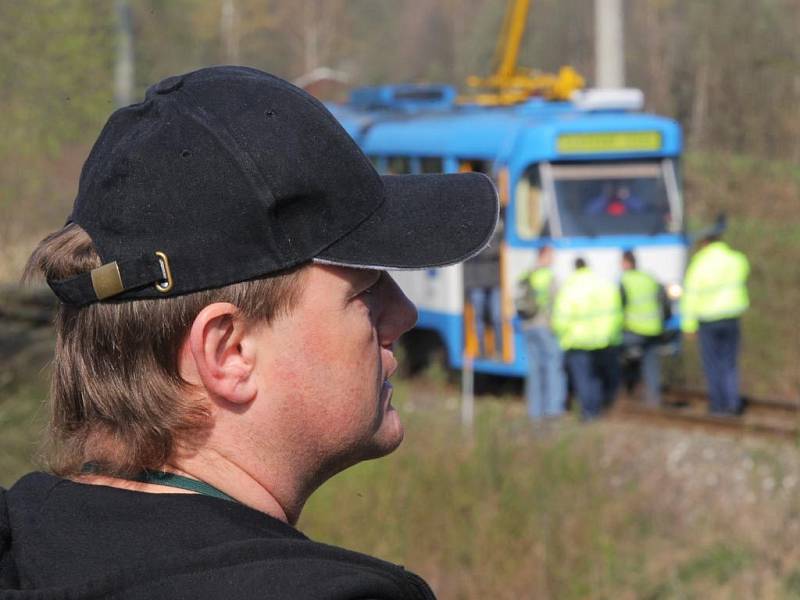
650,364
595,375
719,350
486,304
545,386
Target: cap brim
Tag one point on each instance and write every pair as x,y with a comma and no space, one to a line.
425,221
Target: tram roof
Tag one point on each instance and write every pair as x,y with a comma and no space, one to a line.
488,132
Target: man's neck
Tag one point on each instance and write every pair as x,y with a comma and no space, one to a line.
227,476
214,469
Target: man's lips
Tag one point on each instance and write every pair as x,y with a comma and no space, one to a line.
386,394
390,362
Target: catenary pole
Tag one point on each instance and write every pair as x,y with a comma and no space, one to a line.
609,44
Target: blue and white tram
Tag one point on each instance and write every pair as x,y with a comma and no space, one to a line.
590,177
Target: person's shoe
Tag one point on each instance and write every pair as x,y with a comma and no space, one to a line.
725,414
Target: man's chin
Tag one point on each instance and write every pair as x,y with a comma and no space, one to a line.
389,436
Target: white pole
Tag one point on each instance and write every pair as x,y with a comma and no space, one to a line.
467,393
609,45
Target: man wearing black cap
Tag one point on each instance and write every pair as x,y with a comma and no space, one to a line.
224,347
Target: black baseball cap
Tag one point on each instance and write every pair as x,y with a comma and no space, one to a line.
228,173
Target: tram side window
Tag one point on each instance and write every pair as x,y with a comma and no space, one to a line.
399,165
530,209
431,164
474,166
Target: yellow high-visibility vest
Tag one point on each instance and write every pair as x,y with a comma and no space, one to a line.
642,310
587,314
541,280
715,286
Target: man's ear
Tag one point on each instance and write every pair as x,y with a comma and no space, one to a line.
222,363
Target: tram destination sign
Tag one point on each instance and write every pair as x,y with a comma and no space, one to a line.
615,141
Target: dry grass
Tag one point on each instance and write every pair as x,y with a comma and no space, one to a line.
603,511
15,253
36,195
565,511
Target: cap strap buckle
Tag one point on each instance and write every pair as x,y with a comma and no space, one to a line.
165,285
110,280
107,281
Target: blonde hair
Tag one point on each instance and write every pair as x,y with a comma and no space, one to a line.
116,397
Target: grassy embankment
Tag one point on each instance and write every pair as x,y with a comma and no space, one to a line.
602,511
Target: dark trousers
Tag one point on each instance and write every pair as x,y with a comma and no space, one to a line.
595,375
644,363
487,304
719,350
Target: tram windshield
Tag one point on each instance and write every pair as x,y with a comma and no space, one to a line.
616,198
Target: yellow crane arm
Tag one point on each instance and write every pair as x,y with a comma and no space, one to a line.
511,39
508,83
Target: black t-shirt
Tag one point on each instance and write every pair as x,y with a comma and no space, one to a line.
61,539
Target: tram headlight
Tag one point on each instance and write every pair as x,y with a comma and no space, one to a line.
674,291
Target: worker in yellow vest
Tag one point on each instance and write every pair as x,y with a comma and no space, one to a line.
644,306
545,385
587,318
714,298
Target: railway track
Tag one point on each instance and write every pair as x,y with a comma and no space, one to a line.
689,408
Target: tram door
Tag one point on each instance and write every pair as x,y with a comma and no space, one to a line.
488,332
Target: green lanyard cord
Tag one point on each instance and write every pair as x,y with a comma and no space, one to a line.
172,480
184,483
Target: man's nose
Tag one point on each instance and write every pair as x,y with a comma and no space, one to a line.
399,314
